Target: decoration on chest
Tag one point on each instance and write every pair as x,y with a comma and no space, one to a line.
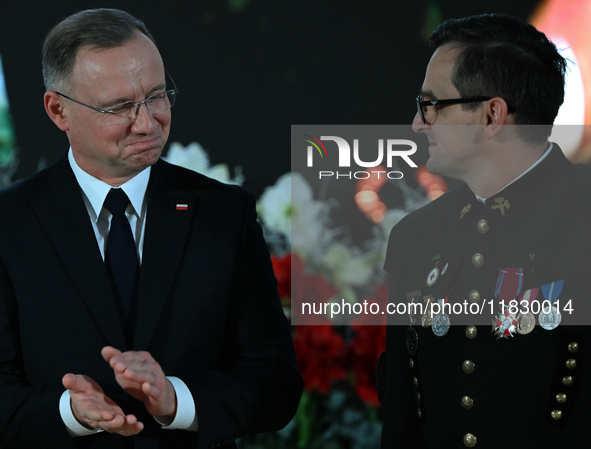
505,325
501,204
518,308
436,272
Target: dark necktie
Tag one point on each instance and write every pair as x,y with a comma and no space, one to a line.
121,255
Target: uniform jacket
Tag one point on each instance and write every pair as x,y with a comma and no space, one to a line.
528,390
208,311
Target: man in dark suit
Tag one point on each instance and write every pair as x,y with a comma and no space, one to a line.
514,229
136,298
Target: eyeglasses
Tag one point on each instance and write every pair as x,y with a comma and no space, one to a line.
127,112
429,116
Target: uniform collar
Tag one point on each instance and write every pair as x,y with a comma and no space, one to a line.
515,196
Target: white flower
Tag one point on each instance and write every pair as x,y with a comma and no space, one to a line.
288,208
195,158
308,217
274,206
348,269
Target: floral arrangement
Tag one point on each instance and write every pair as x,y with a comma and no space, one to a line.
339,407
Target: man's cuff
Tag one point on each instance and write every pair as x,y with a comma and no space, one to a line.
186,416
75,429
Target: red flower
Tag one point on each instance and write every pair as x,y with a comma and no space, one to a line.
282,270
367,345
321,356
309,296
381,299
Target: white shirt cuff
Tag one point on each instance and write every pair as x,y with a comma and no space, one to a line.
75,429
186,416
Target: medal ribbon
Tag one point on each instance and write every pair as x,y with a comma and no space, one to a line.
552,290
509,283
529,295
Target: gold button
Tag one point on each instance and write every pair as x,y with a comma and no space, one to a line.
477,260
561,398
419,412
419,397
415,381
474,296
571,363
573,347
467,402
471,332
482,226
567,381
468,366
556,414
470,440
411,363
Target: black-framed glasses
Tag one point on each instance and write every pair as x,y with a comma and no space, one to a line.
426,115
126,112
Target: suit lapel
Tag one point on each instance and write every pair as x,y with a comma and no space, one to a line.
64,217
169,216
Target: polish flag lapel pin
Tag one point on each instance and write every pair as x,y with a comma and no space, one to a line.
182,207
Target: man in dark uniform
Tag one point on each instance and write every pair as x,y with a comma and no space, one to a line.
516,228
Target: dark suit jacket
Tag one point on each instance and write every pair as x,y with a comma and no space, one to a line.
208,311
516,382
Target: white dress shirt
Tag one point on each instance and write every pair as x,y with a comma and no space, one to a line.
94,192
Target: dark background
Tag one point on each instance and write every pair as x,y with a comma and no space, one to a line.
248,69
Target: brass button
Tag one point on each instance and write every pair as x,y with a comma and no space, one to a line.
419,397
419,412
470,440
474,296
482,226
471,332
468,366
477,260
561,398
573,347
415,381
567,381
571,363
556,414
467,402
411,363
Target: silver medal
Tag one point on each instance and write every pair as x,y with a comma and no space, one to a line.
550,319
440,324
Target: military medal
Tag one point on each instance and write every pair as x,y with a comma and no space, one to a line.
441,322
526,320
505,324
427,318
550,318
432,277
434,273
444,269
412,338
526,323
